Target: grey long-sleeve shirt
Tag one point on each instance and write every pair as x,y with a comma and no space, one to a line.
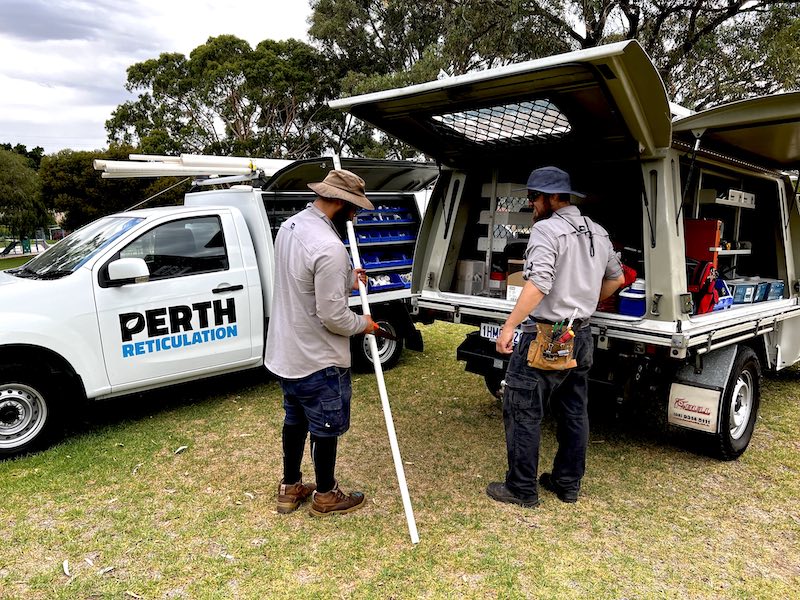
311,323
559,262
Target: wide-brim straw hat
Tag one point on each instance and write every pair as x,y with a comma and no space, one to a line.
343,185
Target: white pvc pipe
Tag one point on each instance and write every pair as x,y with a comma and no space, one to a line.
387,410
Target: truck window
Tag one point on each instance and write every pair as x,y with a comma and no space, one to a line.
76,249
181,248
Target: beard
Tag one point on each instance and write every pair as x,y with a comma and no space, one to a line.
340,219
545,214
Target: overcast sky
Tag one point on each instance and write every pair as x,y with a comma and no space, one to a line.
63,62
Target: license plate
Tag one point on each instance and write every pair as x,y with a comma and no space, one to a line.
490,331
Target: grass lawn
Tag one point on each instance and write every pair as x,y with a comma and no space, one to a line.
133,519
10,263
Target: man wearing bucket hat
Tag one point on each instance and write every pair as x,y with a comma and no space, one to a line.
569,266
308,346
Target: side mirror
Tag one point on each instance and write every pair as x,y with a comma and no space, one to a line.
128,270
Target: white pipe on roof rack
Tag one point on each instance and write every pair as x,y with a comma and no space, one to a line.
269,165
118,168
143,165
155,158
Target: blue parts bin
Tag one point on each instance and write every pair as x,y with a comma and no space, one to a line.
776,288
632,300
383,260
384,215
386,237
762,289
742,290
725,297
755,289
384,283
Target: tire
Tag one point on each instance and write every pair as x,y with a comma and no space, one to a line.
26,412
389,351
740,402
494,383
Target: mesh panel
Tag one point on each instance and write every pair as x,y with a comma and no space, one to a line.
512,232
539,120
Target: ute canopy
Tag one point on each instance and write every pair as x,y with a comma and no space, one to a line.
765,129
608,100
378,175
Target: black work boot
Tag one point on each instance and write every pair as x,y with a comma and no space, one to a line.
498,491
291,496
546,481
335,502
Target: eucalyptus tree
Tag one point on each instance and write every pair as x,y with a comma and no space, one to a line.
71,185
21,207
707,51
230,98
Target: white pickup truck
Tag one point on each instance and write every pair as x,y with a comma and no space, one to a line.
153,297
708,189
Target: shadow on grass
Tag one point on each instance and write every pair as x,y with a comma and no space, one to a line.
96,415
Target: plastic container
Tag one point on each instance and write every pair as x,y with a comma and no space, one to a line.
725,297
742,290
385,259
762,289
384,283
497,284
776,287
639,285
632,299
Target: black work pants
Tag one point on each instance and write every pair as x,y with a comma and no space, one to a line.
528,391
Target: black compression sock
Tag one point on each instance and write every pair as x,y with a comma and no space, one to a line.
294,441
323,451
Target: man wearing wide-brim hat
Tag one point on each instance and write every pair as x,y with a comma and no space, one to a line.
308,340
570,266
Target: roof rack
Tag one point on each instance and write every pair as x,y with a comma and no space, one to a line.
144,165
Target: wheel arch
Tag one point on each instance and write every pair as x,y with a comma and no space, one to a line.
722,370
42,360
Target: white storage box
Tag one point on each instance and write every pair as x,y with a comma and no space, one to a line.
469,270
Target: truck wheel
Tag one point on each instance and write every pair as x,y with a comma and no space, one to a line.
739,405
494,383
389,351
26,416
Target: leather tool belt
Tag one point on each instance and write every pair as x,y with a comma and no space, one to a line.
548,354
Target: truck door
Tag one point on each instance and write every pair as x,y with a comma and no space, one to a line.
191,317
786,340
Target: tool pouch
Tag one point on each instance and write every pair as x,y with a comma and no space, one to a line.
547,354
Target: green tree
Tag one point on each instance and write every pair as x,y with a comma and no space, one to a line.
34,155
72,186
228,98
707,51
21,207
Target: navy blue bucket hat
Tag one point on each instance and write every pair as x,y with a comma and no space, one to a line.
551,180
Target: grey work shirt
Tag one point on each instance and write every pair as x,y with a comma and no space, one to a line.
311,323
558,261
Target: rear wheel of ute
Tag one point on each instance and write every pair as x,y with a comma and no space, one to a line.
740,403
494,383
389,351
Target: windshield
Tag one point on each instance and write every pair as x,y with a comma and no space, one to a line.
74,250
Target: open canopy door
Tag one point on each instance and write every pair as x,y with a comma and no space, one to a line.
608,99
379,175
767,129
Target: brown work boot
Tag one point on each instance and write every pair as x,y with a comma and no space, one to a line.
291,496
335,502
